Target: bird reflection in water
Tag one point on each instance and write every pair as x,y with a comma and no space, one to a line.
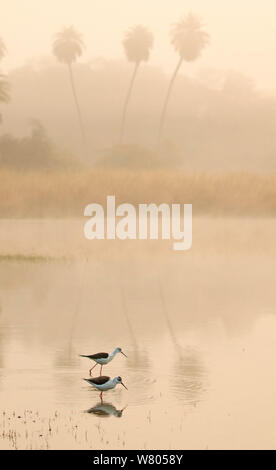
105,410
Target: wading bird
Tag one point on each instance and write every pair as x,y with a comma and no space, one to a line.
102,358
104,383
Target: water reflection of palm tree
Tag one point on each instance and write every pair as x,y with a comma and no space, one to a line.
189,371
127,318
78,302
189,376
67,356
105,410
138,359
167,319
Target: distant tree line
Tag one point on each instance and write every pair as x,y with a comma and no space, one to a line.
217,119
187,37
33,151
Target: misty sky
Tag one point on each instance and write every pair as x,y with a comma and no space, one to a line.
243,32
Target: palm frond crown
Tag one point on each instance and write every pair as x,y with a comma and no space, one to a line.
188,37
138,43
68,45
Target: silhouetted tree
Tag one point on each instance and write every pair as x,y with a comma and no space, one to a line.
33,151
137,44
67,47
189,40
4,91
4,85
2,49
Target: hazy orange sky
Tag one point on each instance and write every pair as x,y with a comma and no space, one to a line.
243,32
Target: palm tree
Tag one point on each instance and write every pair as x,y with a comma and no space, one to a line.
137,44
67,47
2,49
189,40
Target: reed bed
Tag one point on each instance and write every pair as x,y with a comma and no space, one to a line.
66,193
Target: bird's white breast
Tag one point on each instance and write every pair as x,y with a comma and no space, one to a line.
107,386
103,361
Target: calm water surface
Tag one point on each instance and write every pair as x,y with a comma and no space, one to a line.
199,331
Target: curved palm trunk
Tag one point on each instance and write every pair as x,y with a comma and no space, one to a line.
77,103
166,102
123,122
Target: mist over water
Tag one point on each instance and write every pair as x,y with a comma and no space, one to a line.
151,104
200,346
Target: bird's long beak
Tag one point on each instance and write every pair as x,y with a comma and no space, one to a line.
124,386
123,354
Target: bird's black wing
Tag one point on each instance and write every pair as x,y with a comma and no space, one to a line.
98,380
101,355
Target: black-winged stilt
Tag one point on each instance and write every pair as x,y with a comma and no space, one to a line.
104,383
102,358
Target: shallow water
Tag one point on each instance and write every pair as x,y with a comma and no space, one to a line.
198,328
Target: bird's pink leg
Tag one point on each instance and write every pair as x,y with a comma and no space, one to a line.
101,396
101,370
90,372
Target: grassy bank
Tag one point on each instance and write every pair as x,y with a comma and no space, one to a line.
65,194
